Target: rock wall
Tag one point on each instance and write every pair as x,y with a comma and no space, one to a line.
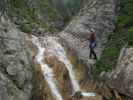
121,78
16,68
97,14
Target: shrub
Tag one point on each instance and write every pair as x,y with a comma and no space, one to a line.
126,12
123,20
102,66
107,59
111,52
130,36
26,28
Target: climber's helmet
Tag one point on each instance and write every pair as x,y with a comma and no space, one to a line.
92,30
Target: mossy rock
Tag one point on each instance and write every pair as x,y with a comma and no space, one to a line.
77,95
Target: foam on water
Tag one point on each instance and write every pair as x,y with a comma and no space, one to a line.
88,94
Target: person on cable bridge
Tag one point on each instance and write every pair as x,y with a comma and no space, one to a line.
92,44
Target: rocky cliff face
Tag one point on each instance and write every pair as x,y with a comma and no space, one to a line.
121,76
97,14
16,69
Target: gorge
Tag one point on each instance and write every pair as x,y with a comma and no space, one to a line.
44,52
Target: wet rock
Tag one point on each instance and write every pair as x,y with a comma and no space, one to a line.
41,88
59,24
78,95
39,32
62,76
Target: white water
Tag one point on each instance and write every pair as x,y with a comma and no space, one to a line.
88,94
53,47
59,51
47,71
61,55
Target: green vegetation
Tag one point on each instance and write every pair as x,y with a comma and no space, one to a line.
72,6
125,18
111,52
41,13
67,8
21,11
122,35
27,15
130,35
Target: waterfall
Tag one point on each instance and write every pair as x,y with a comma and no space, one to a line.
60,53
62,56
56,49
47,71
